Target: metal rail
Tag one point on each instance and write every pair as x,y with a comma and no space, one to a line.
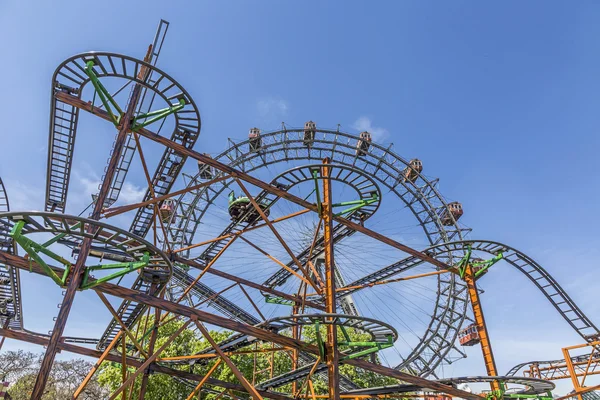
531,386
130,312
129,148
538,275
10,281
557,369
386,167
70,77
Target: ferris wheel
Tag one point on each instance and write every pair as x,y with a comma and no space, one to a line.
288,234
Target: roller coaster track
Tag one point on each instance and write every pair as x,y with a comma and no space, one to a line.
421,197
558,369
130,312
238,341
553,292
70,77
11,288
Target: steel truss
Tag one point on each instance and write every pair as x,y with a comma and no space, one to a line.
99,65
163,283
10,282
385,167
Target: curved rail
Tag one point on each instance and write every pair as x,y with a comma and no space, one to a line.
10,284
130,312
386,167
558,369
538,275
70,77
531,386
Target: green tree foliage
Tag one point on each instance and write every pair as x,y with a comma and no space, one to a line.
260,366
20,368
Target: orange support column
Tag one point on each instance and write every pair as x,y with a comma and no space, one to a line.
330,306
486,347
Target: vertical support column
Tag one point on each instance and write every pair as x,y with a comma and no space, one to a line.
486,346
295,335
571,368
74,281
152,343
332,357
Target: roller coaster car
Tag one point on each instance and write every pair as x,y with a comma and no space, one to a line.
242,210
412,171
309,133
451,213
255,140
363,144
477,264
469,336
167,209
205,170
3,307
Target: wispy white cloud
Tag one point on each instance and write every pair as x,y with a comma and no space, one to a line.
131,193
365,124
272,108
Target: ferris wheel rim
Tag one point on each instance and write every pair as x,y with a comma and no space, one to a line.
422,190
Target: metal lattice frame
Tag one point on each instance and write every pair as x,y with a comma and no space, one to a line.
70,78
108,242
386,167
12,288
538,275
531,386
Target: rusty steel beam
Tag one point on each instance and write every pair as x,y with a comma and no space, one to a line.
238,374
111,212
277,235
332,355
229,324
484,337
77,102
248,283
248,229
84,351
77,273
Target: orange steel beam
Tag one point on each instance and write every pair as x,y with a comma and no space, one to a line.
210,264
92,371
408,278
249,387
151,343
332,355
486,346
123,326
124,366
252,302
270,257
225,323
560,371
149,360
111,212
78,103
225,275
572,373
580,392
203,381
276,233
229,353
76,276
193,246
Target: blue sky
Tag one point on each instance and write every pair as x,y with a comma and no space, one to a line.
498,100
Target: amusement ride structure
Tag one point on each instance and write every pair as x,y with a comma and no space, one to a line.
291,240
